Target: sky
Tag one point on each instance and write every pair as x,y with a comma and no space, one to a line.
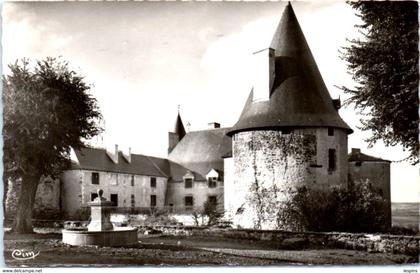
143,59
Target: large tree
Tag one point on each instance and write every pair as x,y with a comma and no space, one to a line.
384,64
46,110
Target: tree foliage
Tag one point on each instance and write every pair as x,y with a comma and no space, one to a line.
384,64
209,214
46,111
356,208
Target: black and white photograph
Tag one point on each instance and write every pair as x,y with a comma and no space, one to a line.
210,133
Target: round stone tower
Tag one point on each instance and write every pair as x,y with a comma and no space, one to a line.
289,133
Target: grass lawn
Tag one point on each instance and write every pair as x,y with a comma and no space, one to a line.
179,250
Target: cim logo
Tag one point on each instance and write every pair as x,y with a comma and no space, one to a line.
21,255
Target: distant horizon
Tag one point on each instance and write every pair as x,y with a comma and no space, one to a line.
408,202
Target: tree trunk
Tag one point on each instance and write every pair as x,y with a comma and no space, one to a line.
23,219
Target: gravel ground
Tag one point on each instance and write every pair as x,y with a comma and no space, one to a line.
172,250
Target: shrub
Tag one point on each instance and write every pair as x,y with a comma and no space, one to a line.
210,210
158,218
209,214
358,208
397,230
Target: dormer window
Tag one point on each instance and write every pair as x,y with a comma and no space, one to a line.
212,182
188,179
214,176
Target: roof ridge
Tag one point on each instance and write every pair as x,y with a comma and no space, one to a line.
211,129
367,157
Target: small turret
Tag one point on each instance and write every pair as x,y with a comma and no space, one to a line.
289,133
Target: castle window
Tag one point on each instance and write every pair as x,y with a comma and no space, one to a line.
132,180
153,182
95,178
153,200
188,182
93,195
212,182
330,131
358,163
212,199
114,199
331,160
189,201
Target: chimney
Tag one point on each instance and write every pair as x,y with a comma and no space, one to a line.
355,151
337,103
213,125
263,74
114,156
128,157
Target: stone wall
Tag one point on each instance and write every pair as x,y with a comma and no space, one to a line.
200,192
47,199
71,196
78,190
267,164
383,243
378,174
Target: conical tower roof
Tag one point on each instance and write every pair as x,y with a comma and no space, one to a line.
179,127
298,97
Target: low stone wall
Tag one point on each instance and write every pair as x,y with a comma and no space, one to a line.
408,245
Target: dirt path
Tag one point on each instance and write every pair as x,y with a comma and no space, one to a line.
267,250
171,250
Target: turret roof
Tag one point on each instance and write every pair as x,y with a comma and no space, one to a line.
299,97
179,127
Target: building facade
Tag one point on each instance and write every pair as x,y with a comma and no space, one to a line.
376,171
132,182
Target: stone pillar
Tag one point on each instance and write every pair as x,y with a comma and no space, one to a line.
100,216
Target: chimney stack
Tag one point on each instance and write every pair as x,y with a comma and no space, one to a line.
355,151
263,74
113,156
337,103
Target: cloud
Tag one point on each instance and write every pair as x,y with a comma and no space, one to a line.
227,63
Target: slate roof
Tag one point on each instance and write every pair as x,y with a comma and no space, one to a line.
97,160
177,172
179,127
299,97
356,155
201,151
